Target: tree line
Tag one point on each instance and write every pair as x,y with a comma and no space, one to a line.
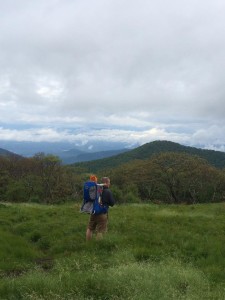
41,178
169,178
164,178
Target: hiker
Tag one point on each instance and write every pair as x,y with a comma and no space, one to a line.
99,222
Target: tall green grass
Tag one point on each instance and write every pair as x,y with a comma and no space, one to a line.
150,252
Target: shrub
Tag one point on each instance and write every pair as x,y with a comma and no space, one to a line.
16,192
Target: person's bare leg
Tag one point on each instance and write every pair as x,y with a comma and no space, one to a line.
88,235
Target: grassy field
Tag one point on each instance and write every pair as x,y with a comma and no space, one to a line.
150,252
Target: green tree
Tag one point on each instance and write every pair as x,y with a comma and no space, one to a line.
187,178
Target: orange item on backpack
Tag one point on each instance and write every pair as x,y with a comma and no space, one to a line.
93,178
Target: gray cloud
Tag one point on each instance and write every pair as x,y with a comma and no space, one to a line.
146,65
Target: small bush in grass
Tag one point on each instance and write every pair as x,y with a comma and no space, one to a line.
35,199
131,198
35,236
44,243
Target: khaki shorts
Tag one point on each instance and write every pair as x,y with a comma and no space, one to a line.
98,223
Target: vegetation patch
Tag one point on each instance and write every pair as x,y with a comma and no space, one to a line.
150,252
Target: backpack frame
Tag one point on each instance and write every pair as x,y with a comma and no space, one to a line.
92,199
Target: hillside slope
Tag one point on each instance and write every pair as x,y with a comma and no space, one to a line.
7,153
215,158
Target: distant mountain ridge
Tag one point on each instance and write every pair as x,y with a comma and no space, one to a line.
95,161
7,153
68,152
215,158
73,156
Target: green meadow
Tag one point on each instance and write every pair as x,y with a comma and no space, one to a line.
150,252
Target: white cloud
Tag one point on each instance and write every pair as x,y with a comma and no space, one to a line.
84,136
210,138
213,135
49,88
142,66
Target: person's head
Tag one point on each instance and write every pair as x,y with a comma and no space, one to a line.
106,181
93,178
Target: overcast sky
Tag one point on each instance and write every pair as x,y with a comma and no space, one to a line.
119,70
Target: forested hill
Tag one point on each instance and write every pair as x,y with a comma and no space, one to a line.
4,152
215,158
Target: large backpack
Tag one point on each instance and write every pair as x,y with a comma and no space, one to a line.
92,199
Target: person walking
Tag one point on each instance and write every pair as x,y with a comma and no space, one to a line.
99,222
